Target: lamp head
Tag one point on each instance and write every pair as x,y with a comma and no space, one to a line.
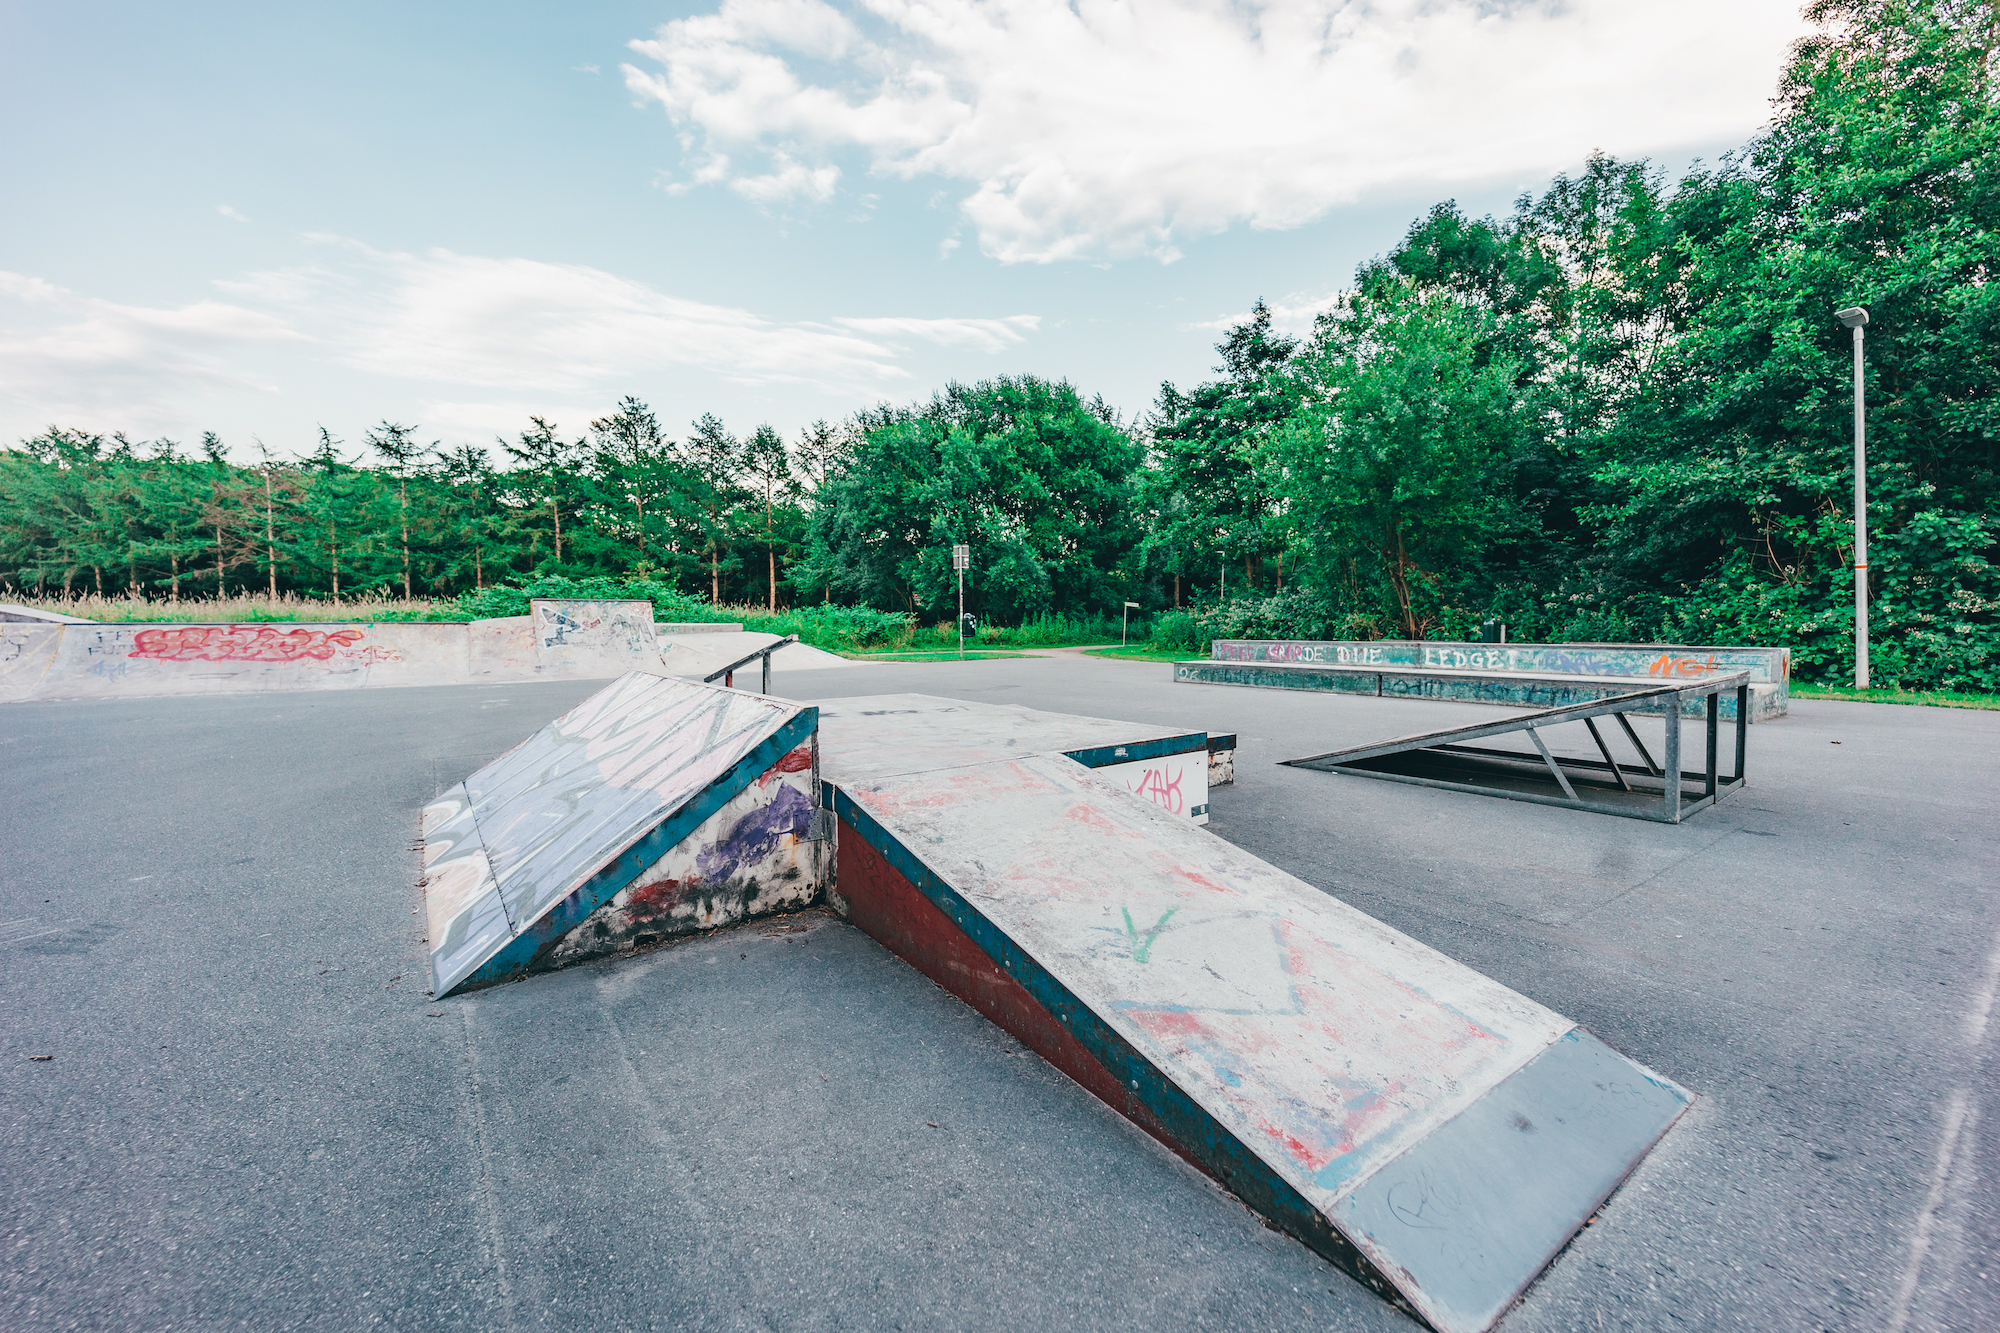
1853,317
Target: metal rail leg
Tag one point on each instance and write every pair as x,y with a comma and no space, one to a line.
1605,750
1714,714
1550,760
1672,761
1742,727
1633,736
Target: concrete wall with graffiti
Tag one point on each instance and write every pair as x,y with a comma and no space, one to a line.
78,661
1652,661
594,635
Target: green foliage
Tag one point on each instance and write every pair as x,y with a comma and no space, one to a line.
1036,481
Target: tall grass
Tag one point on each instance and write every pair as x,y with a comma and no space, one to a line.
244,607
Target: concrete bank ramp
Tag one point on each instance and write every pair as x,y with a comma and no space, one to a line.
656,807
1432,1132
699,653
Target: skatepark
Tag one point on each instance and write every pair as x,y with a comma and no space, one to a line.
254,1111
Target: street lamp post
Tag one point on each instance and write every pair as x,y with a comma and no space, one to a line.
1854,317
1124,622
961,556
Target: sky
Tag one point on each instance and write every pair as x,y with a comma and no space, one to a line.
260,219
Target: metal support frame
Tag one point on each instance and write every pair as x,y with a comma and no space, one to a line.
728,673
1634,782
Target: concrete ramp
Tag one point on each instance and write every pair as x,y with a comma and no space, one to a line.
27,649
1432,1132
656,807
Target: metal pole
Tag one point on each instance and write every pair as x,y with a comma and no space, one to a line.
1860,521
961,613
1670,763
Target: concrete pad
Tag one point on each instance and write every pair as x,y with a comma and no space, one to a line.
657,806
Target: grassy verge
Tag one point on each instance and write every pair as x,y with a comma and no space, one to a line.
257,608
1140,652
1892,695
950,655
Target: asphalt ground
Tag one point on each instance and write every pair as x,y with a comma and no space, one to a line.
254,1116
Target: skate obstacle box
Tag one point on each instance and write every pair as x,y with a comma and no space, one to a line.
656,807
1435,1134
1425,1128
1516,675
1166,766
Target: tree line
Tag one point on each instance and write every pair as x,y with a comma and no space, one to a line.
1619,412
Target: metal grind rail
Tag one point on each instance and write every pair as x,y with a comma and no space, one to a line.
1635,791
728,673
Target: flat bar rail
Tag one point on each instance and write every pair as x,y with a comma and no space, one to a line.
728,673
1446,750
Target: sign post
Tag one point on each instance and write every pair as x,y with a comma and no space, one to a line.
1125,621
961,556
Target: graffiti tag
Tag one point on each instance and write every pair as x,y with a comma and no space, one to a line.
1156,786
1142,945
237,643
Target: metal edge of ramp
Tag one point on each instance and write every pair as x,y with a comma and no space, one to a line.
473,938
1453,1224
1506,689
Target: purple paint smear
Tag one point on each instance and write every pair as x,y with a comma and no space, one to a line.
756,835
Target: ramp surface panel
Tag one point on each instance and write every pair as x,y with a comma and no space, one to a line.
889,734
1296,1048
531,845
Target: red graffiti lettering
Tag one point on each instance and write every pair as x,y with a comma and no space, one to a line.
241,643
1157,787
1669,665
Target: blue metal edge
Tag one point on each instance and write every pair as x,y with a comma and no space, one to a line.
1103,756
522,954
1197,1133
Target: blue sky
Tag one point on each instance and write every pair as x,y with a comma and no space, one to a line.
259,218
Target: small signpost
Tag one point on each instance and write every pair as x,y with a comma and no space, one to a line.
1125,621
961,558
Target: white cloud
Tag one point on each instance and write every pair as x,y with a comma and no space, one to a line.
1108,128
566,329
70,358
231,213
985,335
524,335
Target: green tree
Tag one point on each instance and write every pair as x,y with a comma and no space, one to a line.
1388,463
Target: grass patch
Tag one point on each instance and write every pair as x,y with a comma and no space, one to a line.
1140,652
244,608
926,656
1894,695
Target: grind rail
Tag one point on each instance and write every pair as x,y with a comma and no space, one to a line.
728,673
1634,791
